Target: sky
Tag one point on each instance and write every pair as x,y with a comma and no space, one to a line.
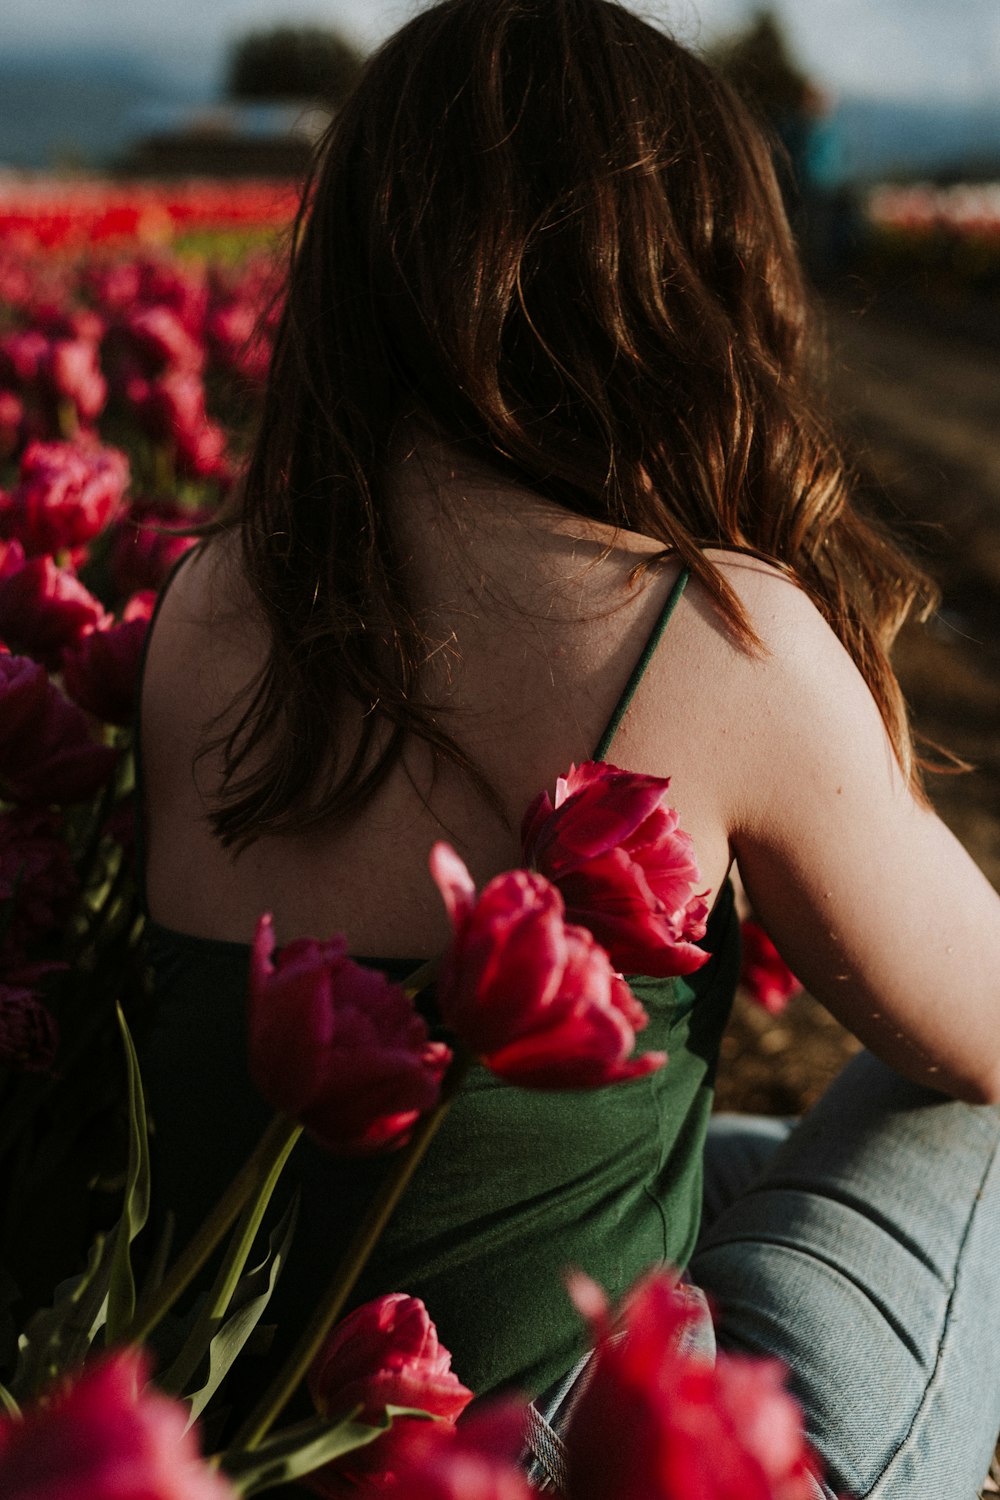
905,49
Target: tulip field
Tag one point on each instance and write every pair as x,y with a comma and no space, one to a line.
949,235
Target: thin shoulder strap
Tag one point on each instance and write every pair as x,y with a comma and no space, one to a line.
628,691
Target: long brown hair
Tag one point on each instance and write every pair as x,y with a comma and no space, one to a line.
553,235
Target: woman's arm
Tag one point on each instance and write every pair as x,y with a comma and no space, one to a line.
868,896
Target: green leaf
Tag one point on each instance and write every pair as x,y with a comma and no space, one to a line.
157,1268
247,1303
8,1403
289,1454
59,1337
135,1210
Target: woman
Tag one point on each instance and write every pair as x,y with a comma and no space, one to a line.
541,382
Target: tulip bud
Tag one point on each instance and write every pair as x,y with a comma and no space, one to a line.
386,1353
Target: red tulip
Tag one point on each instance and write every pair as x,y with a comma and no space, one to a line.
36,874
155,340
73,374
385,1353
66,494
625,868
24,688
101,670
338,1046
44,608
435,1461
146,543
11,423
537,999
655,1423
764,973
28,1034
47,753
171,409
21,357
106,1436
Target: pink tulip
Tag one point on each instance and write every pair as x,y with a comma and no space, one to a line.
625,868
385,1353
535,998
44,608
655,1423
338,1046
66,494
101,669
763,973
106,1436
73,374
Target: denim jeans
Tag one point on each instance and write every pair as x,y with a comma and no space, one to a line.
862,1247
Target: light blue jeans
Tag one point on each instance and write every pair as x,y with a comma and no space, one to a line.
862,1247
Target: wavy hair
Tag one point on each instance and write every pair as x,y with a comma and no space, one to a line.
553,235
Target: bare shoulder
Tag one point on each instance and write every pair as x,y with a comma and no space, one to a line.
802,684
203,650
778,607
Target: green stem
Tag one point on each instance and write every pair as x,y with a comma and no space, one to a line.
277,1140
286,1382
214,1309
422,977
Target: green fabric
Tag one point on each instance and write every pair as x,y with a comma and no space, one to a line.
517,1187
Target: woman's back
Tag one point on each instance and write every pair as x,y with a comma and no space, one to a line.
539,626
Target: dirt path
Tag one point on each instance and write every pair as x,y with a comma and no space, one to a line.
922,412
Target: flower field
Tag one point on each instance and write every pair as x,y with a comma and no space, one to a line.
134,335
949,235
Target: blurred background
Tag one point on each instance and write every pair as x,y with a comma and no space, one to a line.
905,86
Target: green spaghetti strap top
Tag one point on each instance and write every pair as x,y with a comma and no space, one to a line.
639,670
517,1187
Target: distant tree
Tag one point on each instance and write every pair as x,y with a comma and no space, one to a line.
759,64
293,62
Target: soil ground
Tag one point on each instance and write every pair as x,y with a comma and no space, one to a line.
916,392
